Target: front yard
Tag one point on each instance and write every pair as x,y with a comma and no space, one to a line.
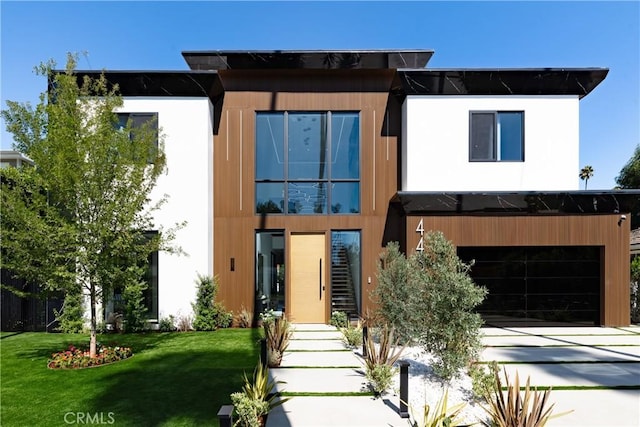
173,379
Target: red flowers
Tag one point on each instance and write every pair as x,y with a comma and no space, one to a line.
75,358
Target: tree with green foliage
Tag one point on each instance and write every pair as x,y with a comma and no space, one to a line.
429,297
77,217
586,173
630,173
209,315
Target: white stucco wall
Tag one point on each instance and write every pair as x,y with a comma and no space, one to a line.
187,126
435,153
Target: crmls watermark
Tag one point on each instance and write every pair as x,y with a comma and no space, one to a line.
98,418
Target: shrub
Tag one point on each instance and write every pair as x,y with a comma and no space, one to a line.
167,324
352,335
135,311
380,377
430,297
76,358
339,319
248,411
208,314
70,317
482,378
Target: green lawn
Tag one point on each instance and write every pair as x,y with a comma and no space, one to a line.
173,379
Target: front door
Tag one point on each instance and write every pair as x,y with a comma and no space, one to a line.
307,274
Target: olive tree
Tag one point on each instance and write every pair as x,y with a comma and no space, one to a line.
429,298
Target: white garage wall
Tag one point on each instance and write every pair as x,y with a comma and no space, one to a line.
187,124
435,153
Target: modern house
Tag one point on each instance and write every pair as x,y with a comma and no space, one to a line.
294,169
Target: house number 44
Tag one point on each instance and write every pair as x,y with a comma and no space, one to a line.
420,230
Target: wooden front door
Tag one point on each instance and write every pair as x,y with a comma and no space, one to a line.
308,278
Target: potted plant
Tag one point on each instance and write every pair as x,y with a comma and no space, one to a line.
257,398
277,331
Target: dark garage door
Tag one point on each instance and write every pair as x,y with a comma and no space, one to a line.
537,286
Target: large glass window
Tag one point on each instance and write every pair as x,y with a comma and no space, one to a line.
150,294
496,136
308,162
150,299
270,284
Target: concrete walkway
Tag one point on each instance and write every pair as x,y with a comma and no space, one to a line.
595,373
317,362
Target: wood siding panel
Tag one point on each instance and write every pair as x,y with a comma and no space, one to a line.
235,221
585,230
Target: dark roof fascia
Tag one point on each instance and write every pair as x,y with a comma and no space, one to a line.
160,83
499,81
519,203
307,59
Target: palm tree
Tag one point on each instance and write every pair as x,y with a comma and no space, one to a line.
586,173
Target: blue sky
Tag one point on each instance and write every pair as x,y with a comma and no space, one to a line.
151,35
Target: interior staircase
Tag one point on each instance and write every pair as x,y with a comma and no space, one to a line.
342,289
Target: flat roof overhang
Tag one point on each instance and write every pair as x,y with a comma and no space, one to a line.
307,59
524,81
160,83
518,203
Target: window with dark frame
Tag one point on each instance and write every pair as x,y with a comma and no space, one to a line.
307,163
150,294
150,277
138,120
496,136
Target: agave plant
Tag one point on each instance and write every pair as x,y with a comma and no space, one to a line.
516,410
262,388
257,399
440,416
278,332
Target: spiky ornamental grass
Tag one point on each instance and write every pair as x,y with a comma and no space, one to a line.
510,408
380,359
278,332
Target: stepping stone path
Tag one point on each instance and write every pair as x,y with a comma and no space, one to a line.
328,383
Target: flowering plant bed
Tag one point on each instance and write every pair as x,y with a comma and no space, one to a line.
76,358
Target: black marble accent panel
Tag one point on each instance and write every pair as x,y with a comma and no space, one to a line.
160,83
538,81
306,59
524,203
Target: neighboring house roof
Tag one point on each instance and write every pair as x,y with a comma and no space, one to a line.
635,241
13,158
